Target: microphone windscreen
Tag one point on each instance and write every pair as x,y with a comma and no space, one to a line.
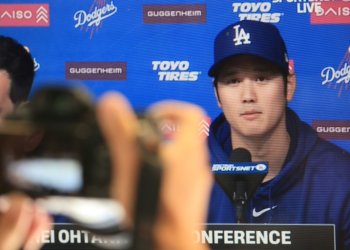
240,155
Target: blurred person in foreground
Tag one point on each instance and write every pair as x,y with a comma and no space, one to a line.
20,220
308,179
16,74
186,178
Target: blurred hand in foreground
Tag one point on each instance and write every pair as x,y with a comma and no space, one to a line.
21,223
186,180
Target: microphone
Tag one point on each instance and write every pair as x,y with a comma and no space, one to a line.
240,178
240,155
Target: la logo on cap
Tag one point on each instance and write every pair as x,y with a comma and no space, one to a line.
241,37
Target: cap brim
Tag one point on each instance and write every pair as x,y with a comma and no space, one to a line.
213,71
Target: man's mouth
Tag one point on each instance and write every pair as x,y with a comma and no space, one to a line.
251,115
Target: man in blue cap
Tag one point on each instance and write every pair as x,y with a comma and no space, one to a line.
308,179
21,220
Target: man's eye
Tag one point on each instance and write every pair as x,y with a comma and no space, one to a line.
261,78
231,81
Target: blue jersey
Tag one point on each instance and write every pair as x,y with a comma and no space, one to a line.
312,187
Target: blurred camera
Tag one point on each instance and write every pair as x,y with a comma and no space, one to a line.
53,150
53,146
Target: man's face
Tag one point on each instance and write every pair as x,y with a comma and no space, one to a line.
6,105
252,95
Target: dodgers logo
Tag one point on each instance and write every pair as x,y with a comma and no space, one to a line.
241,36
99,11
338,78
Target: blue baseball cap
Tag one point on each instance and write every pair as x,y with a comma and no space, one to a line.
249,38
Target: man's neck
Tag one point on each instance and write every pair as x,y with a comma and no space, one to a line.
272,149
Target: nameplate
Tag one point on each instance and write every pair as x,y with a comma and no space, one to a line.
71,237
268,236
217,236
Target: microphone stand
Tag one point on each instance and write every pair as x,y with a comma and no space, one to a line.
240,198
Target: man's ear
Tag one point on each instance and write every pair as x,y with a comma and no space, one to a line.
217,96
291,86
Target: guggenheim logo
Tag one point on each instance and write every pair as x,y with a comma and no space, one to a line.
332,129
175,13
114,71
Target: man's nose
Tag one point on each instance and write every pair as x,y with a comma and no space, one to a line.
248,91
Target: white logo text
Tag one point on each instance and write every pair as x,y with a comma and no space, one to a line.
174,71
96,16
339,76
258,11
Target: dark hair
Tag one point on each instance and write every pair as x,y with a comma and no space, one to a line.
284,76
19,64
272,67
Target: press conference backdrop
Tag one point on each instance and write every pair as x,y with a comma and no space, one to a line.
152,50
